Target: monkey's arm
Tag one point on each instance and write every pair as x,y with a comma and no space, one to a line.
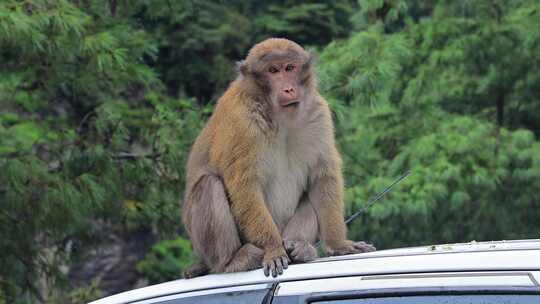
249,210
242,180
326,194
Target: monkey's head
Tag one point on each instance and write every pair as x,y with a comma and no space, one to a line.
281,69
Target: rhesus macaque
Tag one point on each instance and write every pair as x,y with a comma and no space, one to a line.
264,177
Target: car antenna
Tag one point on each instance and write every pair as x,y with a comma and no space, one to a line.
374,199
377,197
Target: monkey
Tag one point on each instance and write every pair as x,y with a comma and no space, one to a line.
264,180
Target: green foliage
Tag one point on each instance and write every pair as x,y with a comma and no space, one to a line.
386,14
464,186
167,260
88,135
314,23
206,38
364,68
80,295
439,96
200,38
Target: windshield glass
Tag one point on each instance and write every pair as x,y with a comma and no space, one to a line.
453,299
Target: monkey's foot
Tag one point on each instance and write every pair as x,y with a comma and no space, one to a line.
196,270
350,247
248,257
300,251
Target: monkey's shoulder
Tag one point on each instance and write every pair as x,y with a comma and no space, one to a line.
248,118
232,138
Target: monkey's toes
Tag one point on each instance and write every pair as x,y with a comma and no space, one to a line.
363,247
196,270
300,251
351,247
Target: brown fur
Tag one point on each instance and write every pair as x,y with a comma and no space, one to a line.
259,174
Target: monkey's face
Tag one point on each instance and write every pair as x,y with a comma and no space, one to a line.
284,82
281,71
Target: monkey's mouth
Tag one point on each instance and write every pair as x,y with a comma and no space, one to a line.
291,104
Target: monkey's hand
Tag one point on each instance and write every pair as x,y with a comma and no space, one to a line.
349,247
274,261
300,251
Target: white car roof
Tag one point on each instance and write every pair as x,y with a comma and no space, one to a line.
474,256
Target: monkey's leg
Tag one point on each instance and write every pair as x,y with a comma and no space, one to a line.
213,230
300,233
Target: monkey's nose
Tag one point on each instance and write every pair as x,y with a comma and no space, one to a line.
290,91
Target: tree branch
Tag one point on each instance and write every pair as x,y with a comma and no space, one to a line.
132,156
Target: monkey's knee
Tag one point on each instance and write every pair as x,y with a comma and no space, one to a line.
213,230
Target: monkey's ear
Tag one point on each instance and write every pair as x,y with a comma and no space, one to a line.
310,61
306,72
241,67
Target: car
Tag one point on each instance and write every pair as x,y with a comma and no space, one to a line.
475,272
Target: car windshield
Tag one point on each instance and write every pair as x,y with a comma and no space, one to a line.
443,299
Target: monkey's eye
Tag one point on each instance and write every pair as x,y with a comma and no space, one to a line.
273,70
289,67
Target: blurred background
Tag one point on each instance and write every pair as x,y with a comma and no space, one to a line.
100,101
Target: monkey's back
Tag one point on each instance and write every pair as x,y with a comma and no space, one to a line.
211,145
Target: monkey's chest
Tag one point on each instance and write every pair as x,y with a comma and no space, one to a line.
285,182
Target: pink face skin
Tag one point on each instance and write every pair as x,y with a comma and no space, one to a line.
284,81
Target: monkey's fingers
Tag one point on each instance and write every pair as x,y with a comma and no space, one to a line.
285,262
279,267
270,267
266,268
275,266
281,263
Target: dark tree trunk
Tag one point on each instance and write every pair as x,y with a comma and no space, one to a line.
500,119
113,5
500,109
